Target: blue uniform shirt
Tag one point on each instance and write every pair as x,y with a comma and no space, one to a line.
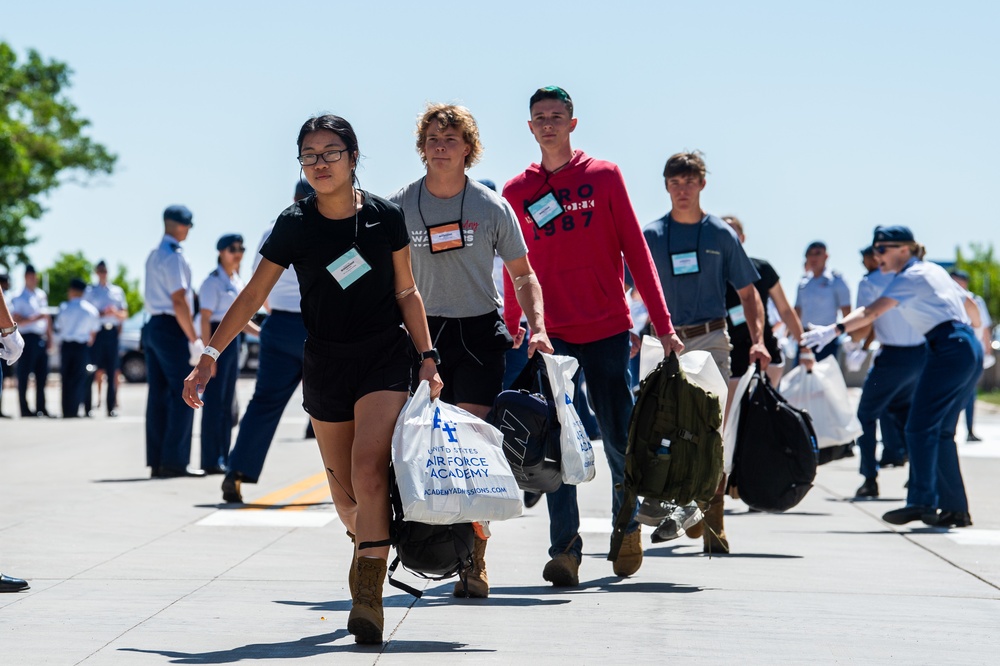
29,303
284,294
927,295
103,296
167,270
698,297
77,321
218,292
821,297
891,328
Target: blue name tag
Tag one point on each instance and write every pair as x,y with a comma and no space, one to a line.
685,263
545,209
348,267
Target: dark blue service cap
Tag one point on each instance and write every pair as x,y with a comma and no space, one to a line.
4,277
897,234
76,284
488,183
868,251
228,240
815,245
960,274
101,264
29,269
179,214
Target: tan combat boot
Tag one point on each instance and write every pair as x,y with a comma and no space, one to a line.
478,582
352,575
630,556
367,619
715,534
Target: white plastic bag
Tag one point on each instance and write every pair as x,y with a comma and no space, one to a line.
729,436
823,393
698,366
574,443
450,466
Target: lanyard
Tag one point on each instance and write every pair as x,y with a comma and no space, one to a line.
420,192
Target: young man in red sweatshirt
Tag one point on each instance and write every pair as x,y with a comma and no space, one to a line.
578,224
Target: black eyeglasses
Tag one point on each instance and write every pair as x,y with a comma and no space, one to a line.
882,249
236,249
310,159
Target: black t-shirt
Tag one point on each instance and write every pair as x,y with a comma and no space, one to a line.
314,245
739,334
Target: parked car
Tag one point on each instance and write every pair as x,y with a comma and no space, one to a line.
133,358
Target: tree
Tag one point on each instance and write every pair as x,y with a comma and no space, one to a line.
984,275
69,266
41,138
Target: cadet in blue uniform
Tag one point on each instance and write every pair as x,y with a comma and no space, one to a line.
279,371
935,306
77,324
822,292
889,386
11,348
109,299
29,309
172,347
216,294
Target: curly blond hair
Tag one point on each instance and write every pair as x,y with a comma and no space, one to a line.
454,116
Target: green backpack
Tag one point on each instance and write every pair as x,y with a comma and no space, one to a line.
674,447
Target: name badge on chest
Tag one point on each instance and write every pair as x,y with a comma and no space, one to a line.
736,315
446,237
685,263
545,209
348,267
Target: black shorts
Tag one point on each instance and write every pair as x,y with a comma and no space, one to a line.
739,358
472,357
336,375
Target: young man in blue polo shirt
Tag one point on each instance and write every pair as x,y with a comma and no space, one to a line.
696,254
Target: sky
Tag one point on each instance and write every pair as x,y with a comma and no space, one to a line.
817,120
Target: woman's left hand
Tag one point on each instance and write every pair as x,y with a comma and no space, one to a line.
195,383
429,372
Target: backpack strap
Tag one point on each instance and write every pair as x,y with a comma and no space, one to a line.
401,586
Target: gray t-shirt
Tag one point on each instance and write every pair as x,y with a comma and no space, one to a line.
459,282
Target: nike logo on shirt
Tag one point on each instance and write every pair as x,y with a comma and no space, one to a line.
369,225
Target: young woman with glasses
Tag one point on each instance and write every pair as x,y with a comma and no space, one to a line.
931,302
350,251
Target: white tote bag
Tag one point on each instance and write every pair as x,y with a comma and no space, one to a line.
823,393
450,466
574,443
698,366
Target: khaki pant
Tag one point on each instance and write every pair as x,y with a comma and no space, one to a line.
718,345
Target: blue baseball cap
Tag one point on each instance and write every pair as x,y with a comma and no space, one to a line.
897,234
179,214
228,240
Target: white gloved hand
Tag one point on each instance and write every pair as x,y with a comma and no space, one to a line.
196,349
819,337
11,347
855,359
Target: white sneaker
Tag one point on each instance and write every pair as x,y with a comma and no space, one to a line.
681,519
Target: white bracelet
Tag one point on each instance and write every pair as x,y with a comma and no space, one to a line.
212,352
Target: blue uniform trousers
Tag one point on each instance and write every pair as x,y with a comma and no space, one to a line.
217,414
954,361
34,360
605,363
282,342
73,358
168,418
889,386
104,355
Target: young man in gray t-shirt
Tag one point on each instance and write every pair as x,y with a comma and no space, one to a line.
456,228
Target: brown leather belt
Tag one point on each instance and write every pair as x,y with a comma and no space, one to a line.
688,332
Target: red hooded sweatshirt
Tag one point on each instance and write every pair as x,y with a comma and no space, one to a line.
578,255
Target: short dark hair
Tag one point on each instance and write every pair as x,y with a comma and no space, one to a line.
552,92
338,126
685,164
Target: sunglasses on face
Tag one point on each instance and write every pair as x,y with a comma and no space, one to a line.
236,249
882,249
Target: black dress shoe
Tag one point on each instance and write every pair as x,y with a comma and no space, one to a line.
215,470
868,489
906,515
11,584
531,498
174,472
947,519
231,489
885,464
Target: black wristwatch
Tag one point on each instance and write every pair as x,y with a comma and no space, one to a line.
431,354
